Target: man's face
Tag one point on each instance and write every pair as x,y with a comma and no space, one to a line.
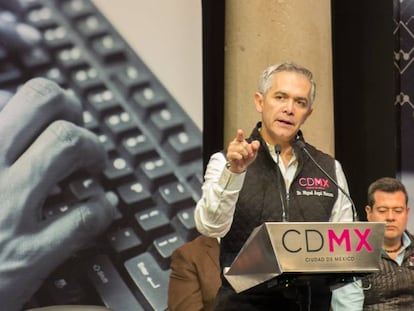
392,209
285,107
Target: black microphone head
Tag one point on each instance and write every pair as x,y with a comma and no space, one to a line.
278,149
300,144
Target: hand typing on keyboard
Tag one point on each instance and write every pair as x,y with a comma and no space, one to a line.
53,173
41,143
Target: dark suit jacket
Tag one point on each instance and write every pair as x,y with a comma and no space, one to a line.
195,275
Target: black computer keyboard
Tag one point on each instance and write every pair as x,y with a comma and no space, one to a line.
154,150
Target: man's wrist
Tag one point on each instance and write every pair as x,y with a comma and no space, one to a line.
231,169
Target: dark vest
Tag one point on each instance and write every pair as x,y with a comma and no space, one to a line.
311,195
393,288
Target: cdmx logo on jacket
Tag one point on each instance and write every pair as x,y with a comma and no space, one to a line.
314,183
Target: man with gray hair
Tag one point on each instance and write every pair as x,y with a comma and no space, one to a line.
271,176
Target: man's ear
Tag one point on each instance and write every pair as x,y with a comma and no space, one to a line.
309,112
368,210
259,101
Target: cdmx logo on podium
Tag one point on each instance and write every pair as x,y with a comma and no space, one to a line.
304,247
313,240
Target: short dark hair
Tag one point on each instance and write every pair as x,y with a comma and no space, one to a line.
385,184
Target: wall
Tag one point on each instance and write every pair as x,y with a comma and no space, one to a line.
263,32
167,35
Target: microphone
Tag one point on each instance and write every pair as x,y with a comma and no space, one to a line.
302,146
278,150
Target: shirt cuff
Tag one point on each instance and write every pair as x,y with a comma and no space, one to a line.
231,181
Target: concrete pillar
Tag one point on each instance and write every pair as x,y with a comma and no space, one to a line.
263,32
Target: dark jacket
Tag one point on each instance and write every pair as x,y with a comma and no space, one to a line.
393,287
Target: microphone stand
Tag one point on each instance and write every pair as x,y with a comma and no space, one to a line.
278,150
302,146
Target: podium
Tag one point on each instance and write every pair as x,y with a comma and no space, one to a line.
306,248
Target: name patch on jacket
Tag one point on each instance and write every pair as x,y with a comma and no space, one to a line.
314,186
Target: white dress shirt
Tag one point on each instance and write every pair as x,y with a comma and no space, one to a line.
220,191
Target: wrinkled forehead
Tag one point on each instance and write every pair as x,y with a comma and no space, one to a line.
293,82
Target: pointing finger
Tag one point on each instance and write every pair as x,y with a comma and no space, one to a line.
240,136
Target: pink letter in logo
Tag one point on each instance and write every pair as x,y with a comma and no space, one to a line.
363,240
344,236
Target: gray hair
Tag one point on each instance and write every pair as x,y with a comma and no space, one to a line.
267,76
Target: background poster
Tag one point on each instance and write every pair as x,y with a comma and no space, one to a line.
404,67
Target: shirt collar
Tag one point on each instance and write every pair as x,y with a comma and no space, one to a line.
272,152
406,241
